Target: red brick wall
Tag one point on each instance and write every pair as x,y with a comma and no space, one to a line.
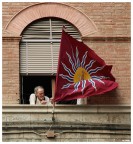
113,21
10,9
116,53
10,69
111,18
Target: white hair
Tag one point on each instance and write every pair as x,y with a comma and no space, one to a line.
36,88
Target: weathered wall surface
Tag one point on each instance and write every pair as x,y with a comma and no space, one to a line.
71,124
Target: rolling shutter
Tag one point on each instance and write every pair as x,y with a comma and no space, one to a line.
39,47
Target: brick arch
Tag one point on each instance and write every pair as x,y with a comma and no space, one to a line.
83,23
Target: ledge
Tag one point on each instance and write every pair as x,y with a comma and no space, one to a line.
17,38
67,126
117,38
67,109
66,117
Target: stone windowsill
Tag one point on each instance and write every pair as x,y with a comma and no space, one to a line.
17,108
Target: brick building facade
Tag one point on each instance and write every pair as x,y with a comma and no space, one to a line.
104,27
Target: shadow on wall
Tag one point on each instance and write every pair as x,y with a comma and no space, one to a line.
112,97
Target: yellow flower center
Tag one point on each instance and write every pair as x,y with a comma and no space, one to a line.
81,74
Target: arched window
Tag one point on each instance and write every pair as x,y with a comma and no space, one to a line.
39,49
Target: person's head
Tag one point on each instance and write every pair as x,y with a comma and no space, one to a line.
39,92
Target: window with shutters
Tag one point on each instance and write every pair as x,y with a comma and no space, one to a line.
39,49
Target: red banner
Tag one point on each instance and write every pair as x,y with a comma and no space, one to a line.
81,72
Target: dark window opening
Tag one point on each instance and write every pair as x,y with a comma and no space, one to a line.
30,82
39,50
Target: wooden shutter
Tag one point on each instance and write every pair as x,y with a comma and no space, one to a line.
39,47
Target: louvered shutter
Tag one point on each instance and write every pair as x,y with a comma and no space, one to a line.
39,47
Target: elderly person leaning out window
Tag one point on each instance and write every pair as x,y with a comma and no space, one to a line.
38,97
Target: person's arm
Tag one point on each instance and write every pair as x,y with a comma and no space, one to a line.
32,99
52,100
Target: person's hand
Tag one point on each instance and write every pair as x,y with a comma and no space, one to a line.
43,102
52,100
